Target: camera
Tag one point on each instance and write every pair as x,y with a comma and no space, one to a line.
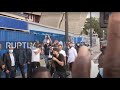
47,36
77,45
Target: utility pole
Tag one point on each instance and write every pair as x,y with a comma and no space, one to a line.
66,27
90,30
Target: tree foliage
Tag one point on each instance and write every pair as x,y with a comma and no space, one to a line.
94,24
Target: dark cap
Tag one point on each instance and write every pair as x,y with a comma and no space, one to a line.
71,42
56,49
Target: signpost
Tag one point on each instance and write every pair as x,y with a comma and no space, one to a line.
90,31
66,27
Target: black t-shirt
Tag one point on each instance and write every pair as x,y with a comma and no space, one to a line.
46,49
59,67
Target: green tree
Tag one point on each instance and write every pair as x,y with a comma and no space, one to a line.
94,24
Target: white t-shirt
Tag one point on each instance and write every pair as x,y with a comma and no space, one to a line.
72,54
12,60
35,58
50,56
63,53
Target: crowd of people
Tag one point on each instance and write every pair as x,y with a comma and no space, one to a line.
58,58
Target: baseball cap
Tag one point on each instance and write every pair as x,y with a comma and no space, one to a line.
59,44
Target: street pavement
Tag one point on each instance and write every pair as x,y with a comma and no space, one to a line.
94,60
95,53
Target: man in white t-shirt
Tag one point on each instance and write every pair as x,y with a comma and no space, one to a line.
61,51
72,54
35,63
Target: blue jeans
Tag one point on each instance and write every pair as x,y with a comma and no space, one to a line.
46,59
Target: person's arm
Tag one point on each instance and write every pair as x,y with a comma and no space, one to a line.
53,65
54,42
100,59
112,54
1,62
50,40
75,52
37,51
25,56
2,65
65,60
44,42
29,55
5,61
82,65
65,57
42,51
59,62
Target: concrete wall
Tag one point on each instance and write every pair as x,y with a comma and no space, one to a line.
76,20
43,28
55,19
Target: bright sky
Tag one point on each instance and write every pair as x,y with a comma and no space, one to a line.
93,14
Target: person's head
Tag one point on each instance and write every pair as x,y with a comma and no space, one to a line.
67,44
55,51
37,42
61,43
71,44
10,48
41,72
30,44
56,41
60,47
45,37
48,36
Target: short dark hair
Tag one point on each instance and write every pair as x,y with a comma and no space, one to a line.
41,72
10,46
56,49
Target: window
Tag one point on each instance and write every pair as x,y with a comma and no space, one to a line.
104,16
33,17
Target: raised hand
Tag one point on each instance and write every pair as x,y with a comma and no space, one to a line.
111,60
82,65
